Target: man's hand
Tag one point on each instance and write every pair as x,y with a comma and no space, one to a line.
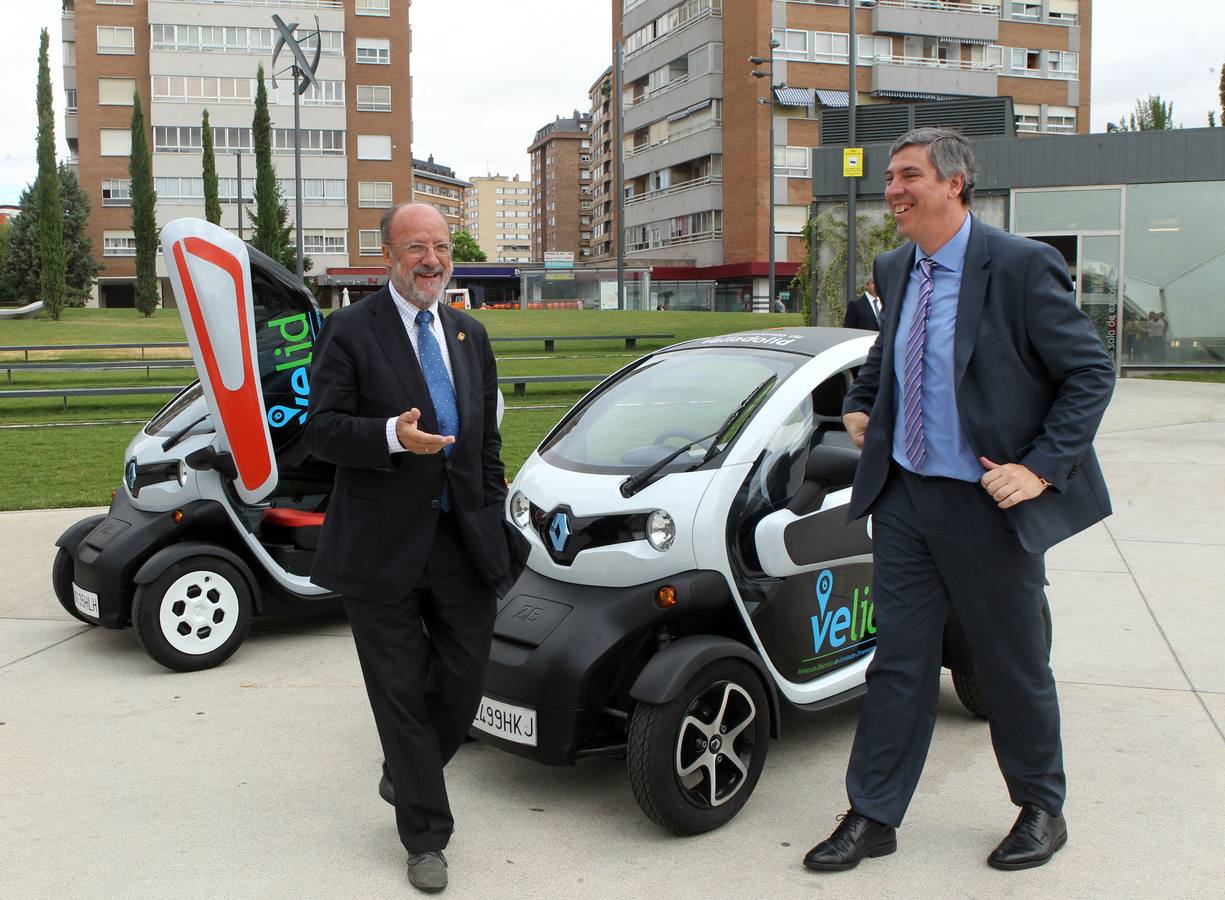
414,440
1010,483
856,424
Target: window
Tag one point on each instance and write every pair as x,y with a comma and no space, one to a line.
328,93
792,161
116,192
373,7
792,44
372,50
374,193
369,242
115,142
316,191
1062,63
374,98
116,40
1061,120
177,139
374,146
70,101
315,141
1027,117
872,48
830,45
1027,9
118,243
1064,12
114,2
70,54
116,91
184,189
321,242
1028,62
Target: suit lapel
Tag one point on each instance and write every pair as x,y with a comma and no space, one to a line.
974,277
457,350
392,336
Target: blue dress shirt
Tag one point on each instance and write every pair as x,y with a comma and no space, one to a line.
948,452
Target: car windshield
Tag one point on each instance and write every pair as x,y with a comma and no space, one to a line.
663,404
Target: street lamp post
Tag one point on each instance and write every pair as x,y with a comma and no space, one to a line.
769,102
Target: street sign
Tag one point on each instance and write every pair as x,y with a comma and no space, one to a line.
559,259
852,162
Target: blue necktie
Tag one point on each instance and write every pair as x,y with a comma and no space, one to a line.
442,393
912,380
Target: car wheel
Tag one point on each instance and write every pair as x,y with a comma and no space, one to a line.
194,615
969,687
61,583
694,761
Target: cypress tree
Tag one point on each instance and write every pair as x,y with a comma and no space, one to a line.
51,226
212,205
144,221
271,218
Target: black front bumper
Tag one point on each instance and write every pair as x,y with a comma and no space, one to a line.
106,558
571,653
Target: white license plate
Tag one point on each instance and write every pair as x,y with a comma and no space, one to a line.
511,723
86,601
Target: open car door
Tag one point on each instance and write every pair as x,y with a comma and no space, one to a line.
251,326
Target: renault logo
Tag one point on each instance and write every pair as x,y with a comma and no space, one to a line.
559,531
129,476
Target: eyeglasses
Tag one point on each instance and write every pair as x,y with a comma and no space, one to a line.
415,251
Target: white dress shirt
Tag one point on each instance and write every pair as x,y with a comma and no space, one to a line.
408,315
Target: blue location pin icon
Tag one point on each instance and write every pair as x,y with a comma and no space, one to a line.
825,587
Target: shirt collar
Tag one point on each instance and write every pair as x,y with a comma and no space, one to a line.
409,309
952,255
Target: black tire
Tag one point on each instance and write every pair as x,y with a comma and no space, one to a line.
667,739
194,615
61,583
968,686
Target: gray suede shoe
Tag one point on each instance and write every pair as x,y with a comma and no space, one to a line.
428,871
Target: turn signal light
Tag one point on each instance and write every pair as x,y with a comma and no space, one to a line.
665,597
178,517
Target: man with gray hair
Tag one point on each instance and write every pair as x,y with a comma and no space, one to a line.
975,411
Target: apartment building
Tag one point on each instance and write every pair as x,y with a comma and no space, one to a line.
186,56
561,187
697,124
436,184
603,171
498,214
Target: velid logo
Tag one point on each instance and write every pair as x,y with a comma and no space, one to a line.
559,531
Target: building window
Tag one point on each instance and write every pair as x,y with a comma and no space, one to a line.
1061,119
115,142
116,91
116,192
872,48
315,141
115,39
374,50
187,189
792,162
114,2
331,242
373,7
178,138
118,243
1027,9
374,146
326,93
315,191
1064,12
1027,117
374,98
375,194
70,102
1028,62
370,242
792,44
1063,63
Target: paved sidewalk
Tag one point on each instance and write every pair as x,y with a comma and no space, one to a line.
257,779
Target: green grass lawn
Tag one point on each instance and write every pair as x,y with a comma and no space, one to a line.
1207,377
79,466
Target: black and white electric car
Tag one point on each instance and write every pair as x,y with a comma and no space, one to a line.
691,571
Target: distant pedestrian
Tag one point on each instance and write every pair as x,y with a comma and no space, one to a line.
864,311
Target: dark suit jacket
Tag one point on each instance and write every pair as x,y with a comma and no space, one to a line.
1032,380
859,314
384,507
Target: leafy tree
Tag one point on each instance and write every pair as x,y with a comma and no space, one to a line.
270,220
6,295
144,221
464,248
828,231
23,257
1152,114
1212,118
212,204
51,227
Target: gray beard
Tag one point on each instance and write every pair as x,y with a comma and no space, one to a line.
409,290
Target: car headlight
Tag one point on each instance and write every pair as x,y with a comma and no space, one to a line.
182,473
661,530
520,509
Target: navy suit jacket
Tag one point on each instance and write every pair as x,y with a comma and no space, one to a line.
1032,380
859,314
384,507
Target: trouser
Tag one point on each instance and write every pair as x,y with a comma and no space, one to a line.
423,659
941,543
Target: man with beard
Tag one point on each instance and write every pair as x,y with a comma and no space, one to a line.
404,402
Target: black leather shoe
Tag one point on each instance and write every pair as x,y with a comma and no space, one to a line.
1034,838
855,837
387,790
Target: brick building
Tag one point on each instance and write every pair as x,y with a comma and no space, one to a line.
561,187
436,184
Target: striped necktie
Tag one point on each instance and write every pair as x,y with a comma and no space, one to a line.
912,380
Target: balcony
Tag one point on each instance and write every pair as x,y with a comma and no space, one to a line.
912,76
931,18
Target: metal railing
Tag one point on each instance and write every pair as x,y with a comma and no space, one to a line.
675,189
978,9
302,4
933,63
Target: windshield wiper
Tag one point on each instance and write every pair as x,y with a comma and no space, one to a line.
635,483
182,433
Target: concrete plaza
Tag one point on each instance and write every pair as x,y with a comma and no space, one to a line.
257,779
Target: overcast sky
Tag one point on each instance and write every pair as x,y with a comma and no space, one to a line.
487,73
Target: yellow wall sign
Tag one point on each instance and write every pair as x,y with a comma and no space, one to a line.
852,162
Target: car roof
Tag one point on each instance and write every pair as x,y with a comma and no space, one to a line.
806,341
